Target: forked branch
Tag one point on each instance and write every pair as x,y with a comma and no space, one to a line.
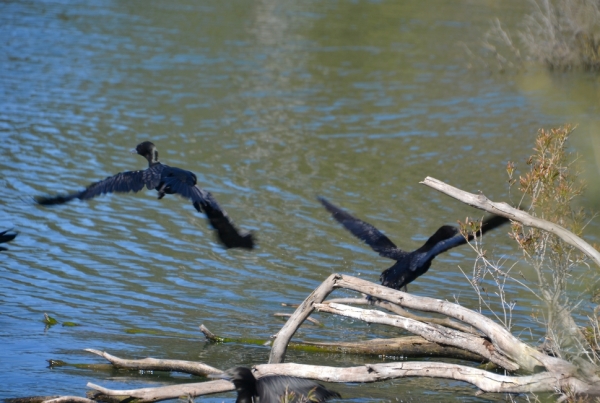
505,210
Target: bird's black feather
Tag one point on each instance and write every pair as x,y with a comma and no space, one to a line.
273,388
409,265
7,236
165,180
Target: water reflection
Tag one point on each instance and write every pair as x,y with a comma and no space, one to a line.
270,104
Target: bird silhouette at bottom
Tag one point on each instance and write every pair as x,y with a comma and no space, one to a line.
409,265
7,236
165,180
274,388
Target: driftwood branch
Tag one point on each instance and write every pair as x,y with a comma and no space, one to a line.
189,367
70,399
484,380
505,210
403,312
167,392
528,358
434,333
304,310
525,357
406,346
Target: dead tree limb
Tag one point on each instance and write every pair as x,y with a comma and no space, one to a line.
434,333
167,392
189,367
304,310
70,399
505,210
484,380
403,312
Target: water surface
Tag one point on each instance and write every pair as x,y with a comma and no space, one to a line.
270,104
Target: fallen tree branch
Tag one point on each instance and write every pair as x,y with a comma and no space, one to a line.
528,358
403,312
433,333
407,346
189,367
300,314
484,380
70,399
30,399
505,210
167,392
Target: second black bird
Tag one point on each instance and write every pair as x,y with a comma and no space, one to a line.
409,265
275,388
165,180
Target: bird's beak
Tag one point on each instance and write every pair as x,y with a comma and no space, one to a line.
133,151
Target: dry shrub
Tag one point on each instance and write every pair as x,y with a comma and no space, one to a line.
548,190
562,34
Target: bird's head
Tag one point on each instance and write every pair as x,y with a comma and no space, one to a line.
147,150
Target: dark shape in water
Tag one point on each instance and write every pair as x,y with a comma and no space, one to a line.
7,236
165,180
272,388
409,265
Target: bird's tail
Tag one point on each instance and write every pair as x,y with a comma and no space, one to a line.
50,201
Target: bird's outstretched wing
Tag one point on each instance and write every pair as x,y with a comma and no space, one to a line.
205,203
123,182
274,388
7,236
448,237
365,232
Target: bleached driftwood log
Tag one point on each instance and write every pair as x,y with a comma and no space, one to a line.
439,334
505,210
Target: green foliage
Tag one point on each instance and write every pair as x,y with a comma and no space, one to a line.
49,320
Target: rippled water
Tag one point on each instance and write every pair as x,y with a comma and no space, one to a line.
270,104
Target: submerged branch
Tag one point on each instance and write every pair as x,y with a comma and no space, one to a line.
189,367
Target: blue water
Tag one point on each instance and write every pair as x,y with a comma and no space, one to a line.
270,104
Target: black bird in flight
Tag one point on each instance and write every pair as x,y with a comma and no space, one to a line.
7,236
409,265
165,180
274,388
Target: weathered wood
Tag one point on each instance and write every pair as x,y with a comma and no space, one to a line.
190,367
525,356
484,380
69,399
505,210
433,333
168,392
403,312
398,347
304,310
